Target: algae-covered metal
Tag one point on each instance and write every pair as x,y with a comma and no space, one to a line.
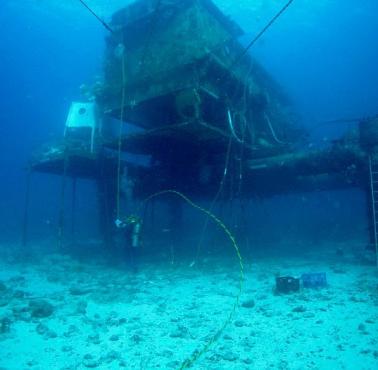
175,62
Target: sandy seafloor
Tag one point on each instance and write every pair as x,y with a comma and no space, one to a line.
99,316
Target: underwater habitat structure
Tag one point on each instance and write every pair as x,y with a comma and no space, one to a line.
178,90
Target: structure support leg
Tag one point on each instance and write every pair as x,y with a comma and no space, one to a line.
25,223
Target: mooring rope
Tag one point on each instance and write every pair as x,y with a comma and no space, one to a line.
257,37
96,16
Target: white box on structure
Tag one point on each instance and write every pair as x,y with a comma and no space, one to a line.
82,115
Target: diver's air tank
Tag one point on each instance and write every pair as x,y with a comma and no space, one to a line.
135,237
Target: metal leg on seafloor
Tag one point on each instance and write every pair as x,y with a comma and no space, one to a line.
25,224
175,224
73,210
62,202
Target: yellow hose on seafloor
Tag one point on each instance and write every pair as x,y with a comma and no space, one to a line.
197,354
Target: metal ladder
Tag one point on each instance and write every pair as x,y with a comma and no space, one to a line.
373,175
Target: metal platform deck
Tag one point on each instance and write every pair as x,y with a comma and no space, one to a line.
73,163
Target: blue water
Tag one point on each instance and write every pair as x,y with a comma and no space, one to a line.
322,53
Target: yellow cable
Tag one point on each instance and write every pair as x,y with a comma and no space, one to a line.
197,354
123,98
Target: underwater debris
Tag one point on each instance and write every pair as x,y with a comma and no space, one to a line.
287,284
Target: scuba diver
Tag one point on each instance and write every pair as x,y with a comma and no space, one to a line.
131,230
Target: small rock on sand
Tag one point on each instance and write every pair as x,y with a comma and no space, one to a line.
40,308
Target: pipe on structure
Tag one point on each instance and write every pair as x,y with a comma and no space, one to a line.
333,160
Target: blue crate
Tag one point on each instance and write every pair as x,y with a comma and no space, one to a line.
314,280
